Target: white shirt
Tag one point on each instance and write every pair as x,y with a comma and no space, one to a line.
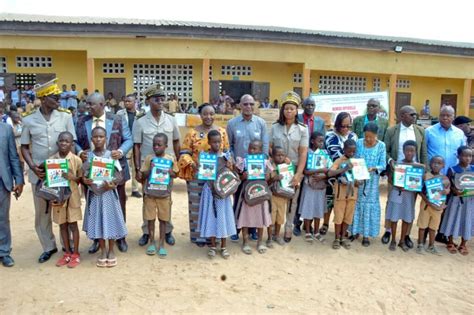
98,121
406,133
2,96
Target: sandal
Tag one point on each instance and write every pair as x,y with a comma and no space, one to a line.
111,262
262,249
463,250
225,253
346,243
308,238
247,249
392,246
404,246
324,229
269,243
212,252
319,238
365,242
151,250
451,248
162,252
101,262
336,244
279,240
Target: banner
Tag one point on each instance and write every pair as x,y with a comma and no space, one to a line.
354,104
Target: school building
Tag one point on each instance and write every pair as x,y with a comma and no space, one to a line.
198,60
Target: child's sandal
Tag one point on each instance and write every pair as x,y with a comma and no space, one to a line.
247,249
212,252
151,250
225,253
451,248
101,262
346,243
308,238
111,262
324,229
162,253
336,244
269,243
262,249
463,250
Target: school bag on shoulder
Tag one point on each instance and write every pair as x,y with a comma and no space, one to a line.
226,183
256,192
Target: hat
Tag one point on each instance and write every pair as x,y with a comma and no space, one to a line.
290,97
461,120
48,88
154,90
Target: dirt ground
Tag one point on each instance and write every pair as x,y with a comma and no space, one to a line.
298,278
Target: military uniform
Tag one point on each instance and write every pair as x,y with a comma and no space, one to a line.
144,130
42,135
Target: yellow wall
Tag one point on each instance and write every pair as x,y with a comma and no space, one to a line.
69,66
315,57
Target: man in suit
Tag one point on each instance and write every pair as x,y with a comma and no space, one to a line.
314,124
130,114
308,118
373,107
119,142
41,128
11,180
394,139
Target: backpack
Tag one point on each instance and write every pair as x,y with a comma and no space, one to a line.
56,194
279,191
158,190
316,185
256,192
226,183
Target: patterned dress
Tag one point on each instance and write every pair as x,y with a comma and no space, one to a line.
103,217
401,205
216,216
458,218
194,143
367,212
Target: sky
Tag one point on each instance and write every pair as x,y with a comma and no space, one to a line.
436,19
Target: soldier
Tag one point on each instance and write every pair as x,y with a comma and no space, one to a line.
144,129
41,128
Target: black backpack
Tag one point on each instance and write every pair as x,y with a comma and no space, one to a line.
226,183
256,192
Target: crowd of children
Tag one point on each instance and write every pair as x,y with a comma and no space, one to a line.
261,203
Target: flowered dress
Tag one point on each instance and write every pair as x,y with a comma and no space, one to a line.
367,212
194,143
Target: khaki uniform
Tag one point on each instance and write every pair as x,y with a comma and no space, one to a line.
42,135
144,130
70,211
344,200
157,207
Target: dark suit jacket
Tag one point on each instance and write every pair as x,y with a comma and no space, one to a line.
10,169
319,124
118,137
391,140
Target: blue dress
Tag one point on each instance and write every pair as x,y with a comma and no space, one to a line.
103,218
458,218
367,212
216,216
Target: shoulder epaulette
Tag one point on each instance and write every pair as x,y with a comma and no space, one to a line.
140,114
28,113
63,110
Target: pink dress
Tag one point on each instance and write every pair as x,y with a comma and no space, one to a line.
253,216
